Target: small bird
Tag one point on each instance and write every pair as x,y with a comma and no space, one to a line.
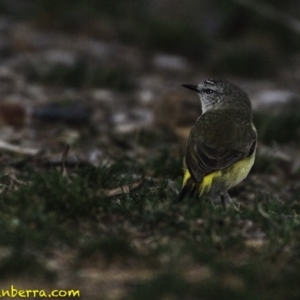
221,146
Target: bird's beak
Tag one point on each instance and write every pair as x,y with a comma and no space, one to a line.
191,87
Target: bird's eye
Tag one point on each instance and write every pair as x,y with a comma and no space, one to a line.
208,91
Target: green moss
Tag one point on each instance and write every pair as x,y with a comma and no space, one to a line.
168,285
145,229
110,247
164,164
19,264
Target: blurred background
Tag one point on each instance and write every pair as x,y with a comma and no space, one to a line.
105,77
119,65
108,74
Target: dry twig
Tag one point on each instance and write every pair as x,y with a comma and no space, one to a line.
63,162
18,150
124,189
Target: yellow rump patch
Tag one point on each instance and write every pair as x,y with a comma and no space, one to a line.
205,185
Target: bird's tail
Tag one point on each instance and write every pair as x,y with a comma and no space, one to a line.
189,190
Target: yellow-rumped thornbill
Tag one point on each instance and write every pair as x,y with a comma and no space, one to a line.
221,146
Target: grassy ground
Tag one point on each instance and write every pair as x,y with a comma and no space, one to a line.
139,245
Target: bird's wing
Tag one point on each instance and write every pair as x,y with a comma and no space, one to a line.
202,159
